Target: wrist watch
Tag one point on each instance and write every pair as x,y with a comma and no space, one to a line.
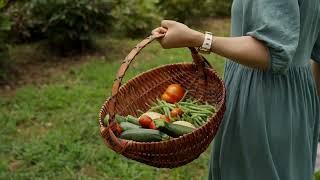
206,46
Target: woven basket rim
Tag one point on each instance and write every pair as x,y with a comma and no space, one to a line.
218,106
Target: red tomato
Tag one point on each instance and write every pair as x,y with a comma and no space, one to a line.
152,125
145,121
168,98
176,112
166,118
174,93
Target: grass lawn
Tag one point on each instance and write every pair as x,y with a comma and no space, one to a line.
50,131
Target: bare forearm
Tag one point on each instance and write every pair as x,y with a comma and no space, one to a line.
244,50
316,74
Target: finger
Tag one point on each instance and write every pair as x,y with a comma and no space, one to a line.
163,30
166,23
156,31
159,31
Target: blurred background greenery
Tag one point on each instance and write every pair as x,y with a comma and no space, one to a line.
67,27
58,59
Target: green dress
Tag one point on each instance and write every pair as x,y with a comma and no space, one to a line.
270,128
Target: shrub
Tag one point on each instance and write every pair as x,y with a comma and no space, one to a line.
135,18
67,24
220,7
5,26
25,28
187,10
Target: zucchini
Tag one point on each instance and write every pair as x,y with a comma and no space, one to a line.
133,120
144,135
176,130
129,119
126,126
184,123
120,119
173,130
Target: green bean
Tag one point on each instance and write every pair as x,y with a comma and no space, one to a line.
200,122
197,124
199,109
141,112
166,104
167,112
159,106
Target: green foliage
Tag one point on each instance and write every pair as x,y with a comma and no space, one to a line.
67,24
135,18
66,21
26,27
317,176
219,7
2,3
188,10
5,26
181,10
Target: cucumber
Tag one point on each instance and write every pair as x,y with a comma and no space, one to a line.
120,119
133,120
126,126
176,130
129,119
144,135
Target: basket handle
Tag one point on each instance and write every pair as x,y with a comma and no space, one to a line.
198,60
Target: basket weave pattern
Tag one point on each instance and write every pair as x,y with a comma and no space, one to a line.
202,83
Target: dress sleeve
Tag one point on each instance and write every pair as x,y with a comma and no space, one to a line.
277,24
316,50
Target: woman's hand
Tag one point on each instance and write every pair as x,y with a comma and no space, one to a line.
178,35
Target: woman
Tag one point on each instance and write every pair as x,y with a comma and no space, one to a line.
270,128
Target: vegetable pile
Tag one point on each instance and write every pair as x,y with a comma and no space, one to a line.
169,117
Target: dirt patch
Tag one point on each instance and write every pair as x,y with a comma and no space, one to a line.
32,64
32,128
14,165
35,73
89,171
40,72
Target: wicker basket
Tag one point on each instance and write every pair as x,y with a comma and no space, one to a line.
202,83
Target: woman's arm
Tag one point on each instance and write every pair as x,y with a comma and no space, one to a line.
316,74
245,50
